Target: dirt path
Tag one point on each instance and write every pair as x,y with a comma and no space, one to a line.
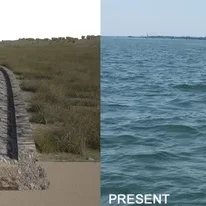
72,184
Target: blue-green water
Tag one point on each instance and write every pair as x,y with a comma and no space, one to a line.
153,118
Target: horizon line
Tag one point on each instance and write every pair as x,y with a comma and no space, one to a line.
44,37
153,36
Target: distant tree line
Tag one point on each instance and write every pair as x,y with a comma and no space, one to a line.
68,39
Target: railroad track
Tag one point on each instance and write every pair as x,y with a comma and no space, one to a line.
15,129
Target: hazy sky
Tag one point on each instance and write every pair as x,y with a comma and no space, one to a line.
155,17
49,18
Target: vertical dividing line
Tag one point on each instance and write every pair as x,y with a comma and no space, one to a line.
12,145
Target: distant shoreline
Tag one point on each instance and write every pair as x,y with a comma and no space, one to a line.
169,37
160,37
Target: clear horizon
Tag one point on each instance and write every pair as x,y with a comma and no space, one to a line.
159,17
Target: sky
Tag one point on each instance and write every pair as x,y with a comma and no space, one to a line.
153,17
49,18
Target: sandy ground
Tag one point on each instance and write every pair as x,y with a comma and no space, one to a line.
75,184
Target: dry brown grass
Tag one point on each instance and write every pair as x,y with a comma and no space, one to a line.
65,80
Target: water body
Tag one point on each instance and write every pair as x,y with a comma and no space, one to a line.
153,118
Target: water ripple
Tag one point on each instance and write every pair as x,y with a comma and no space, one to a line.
153,118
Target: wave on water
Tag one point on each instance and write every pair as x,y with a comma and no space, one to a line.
170,128
191,87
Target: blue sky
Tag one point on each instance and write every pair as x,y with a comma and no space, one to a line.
155,17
